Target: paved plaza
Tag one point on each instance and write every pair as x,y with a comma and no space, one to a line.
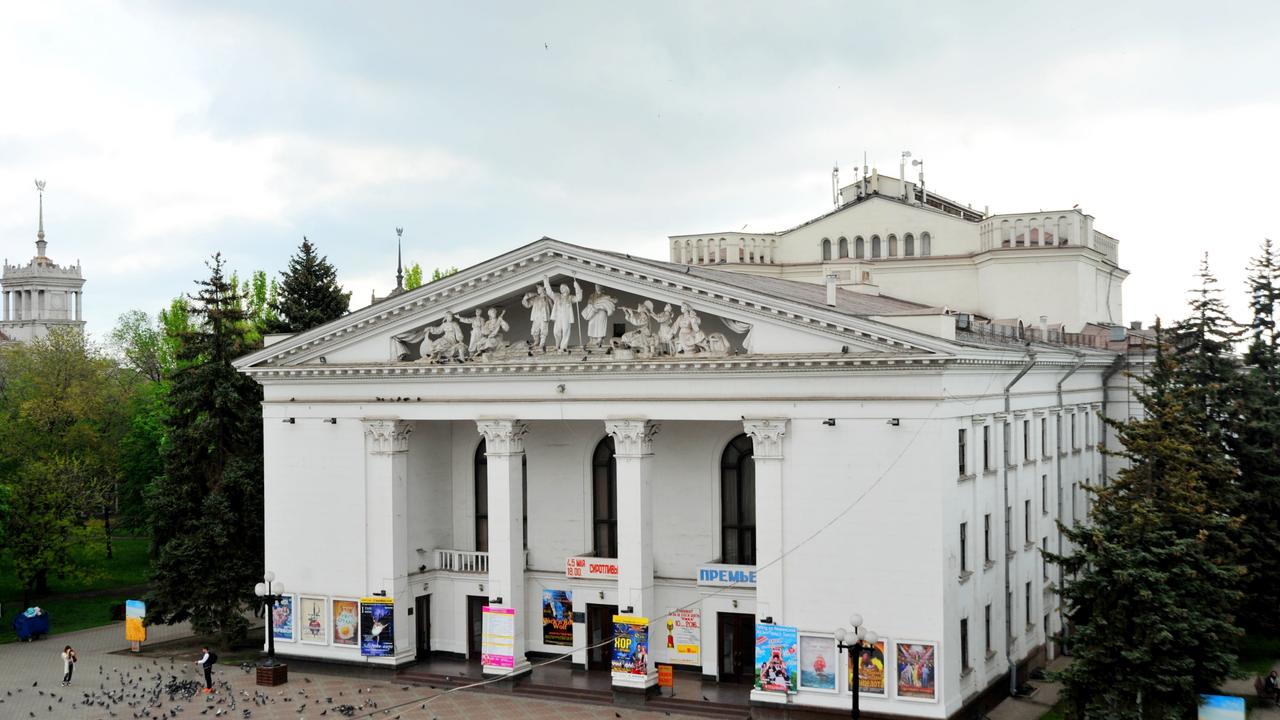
110,685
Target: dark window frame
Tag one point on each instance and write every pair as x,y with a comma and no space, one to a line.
604,516
738,502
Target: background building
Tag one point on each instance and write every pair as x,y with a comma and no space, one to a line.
41,294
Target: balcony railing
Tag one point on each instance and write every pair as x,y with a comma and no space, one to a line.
462,561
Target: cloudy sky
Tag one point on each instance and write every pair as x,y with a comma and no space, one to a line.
170,131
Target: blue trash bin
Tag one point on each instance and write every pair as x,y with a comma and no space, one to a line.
31,627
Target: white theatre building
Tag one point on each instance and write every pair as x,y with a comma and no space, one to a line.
723,433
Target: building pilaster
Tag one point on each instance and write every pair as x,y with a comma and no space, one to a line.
504,449
766,439
386,523
633,453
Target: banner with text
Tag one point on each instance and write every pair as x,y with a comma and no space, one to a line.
498,644
630,645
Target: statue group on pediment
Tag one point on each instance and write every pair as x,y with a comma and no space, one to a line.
552,315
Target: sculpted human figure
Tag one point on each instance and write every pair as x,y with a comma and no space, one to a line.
477,323
641,338
665,330
492,329
451,342
562,311
596,312
688,331
539,303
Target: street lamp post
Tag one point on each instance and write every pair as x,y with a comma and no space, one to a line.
271,591
855,641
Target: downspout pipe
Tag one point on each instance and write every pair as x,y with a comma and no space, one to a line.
1008,532
1116,366
1057,464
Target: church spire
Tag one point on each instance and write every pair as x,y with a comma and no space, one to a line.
40,243
399,263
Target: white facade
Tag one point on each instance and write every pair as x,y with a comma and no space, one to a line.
854,405
39,295
904,243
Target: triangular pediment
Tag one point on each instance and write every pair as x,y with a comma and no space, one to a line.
622,309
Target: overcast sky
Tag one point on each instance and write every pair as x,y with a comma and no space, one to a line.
168,132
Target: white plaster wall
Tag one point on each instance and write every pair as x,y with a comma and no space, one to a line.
879,216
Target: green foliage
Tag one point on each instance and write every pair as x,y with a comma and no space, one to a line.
439,273
206,509
413,278
142,345
141,448
309,294
1155,578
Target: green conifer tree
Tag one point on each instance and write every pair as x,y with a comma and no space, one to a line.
206,510
1154,579
309,294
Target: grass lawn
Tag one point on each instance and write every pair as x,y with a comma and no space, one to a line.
130,566
1054,714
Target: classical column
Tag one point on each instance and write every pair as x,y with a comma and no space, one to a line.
386,523
5,316
766,439
504,448
78,294
633,452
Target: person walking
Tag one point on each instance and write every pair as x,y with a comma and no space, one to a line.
68,664
1272,687
206,662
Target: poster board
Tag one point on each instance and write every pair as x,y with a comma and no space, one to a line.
312,625
1221,707
135,612
870,665
917,668
377,627
684,636
819,663
777,658
630,645
498,638
557,617
346,623
282,620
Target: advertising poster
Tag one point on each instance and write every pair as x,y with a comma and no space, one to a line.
1221,707
346,618
557,617
819,663
777,658
630,645
870,671
684,637
917,679
311,616
282,618
377,634
134,613
498,638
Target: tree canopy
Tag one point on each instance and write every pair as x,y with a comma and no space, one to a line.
309,294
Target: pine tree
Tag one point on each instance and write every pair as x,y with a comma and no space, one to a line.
1255,445
309,292
206,510
1155,576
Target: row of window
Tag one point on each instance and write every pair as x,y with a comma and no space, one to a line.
1027,449
890,244
737,500
966,663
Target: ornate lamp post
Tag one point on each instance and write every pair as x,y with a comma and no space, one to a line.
855,641
271,672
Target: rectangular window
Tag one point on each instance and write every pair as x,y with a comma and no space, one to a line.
1044,494
1088,440
1073,504
1044,437
1027,601
1008,613
986,537
1044,561
986,447
964,467
1026,521
1026,439
964,645
1073,432
987,616
964,547
1006,432
1008,527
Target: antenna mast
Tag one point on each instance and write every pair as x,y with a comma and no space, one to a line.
835,184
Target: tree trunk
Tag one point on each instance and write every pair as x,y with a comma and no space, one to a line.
106,526
41,583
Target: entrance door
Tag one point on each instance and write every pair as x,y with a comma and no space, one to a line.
475,625
737,633
599,631
422,625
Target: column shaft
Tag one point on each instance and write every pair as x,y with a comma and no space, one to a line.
633,453
766,438
504,449
386,523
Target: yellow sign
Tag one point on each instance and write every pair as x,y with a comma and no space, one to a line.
134,612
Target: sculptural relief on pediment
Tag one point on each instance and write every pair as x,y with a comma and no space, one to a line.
561,322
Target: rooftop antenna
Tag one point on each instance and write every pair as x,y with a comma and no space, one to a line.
835,185
902,173
40,243
866,174
399,263
924,194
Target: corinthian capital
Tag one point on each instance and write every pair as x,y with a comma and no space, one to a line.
631,438
387,436
502,437
766,437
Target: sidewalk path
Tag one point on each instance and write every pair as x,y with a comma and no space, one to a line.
126,687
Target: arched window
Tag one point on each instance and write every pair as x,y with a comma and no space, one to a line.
893,246
738,503
826,249
482,498
844,247
1062,230
875,246
908,245
604,500
926,245
859,247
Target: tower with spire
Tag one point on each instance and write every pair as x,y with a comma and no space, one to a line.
41,294
399,288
